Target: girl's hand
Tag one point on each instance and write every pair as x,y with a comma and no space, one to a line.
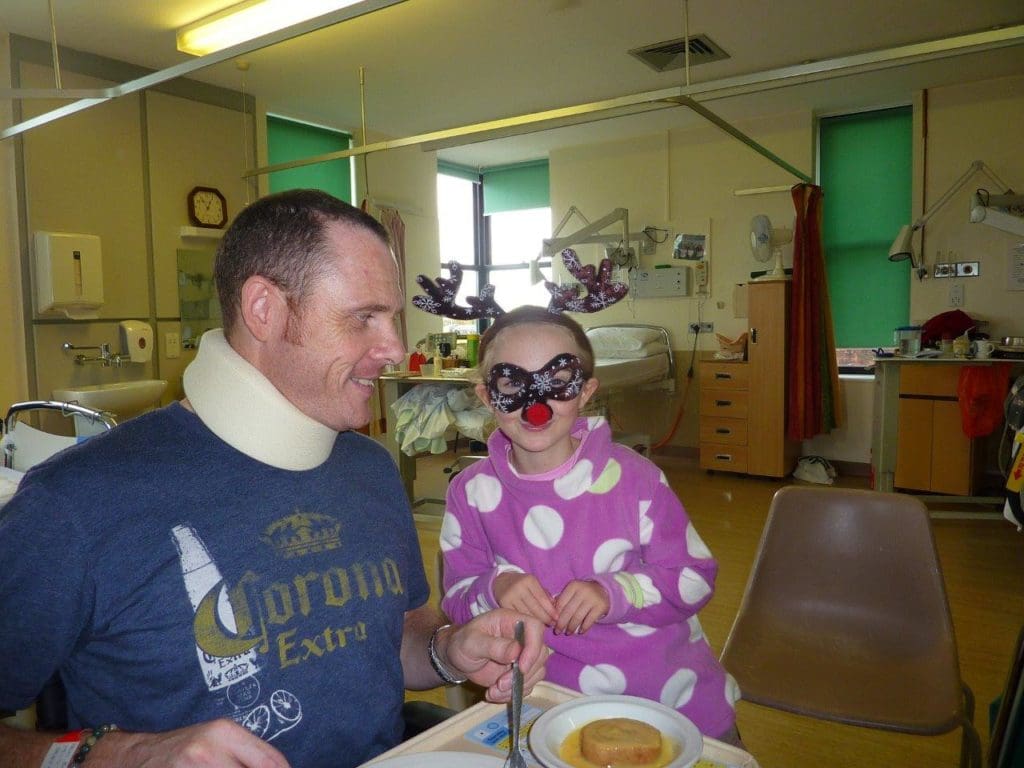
522,592
579,607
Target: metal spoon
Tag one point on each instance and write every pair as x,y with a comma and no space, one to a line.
516,758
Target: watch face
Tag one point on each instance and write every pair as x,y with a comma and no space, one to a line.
207,208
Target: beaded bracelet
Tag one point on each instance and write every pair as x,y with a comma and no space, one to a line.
90,741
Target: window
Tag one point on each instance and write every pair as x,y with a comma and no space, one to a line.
865,172
493,223
291,140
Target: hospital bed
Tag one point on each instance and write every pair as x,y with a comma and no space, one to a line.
632,355
21,447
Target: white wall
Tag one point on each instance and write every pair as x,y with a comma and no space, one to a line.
980,121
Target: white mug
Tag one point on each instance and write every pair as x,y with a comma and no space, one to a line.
983,349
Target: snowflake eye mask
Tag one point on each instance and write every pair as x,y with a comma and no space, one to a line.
511,387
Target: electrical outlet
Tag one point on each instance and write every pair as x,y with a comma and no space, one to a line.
701,327
956,295
967,269
945,270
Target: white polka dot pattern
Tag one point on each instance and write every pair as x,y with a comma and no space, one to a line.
484,492
451,532
678,689
576,481
732,690
692,587
611,555
696,630
637,630
610,476
602,678
646,524
543,527
652,595
695,545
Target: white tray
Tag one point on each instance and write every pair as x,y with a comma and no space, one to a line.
450,736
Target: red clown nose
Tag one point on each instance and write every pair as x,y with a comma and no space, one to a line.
538,414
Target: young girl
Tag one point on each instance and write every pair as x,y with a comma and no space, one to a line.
561,523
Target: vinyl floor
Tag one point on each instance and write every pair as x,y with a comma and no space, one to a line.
982,561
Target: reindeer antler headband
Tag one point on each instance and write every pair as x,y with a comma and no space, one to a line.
602,292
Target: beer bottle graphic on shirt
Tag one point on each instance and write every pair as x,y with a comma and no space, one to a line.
235,672
208,595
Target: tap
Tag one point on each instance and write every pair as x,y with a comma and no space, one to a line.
104,358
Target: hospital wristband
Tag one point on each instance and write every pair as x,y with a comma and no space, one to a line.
62,750
435,661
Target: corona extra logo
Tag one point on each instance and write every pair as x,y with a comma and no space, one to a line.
302,533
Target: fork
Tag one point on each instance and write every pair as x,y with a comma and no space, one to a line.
516,758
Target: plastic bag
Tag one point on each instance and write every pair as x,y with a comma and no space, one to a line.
981,392
815,469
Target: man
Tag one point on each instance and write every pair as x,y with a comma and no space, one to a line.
235,580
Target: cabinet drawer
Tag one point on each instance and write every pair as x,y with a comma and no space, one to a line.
724,375
729,458
935,379
715,429
731,403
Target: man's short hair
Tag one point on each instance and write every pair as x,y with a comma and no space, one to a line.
282,237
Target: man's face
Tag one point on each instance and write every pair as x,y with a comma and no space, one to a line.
328,364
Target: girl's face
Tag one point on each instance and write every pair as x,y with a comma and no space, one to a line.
538,445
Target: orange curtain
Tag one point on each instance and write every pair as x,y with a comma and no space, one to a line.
813,405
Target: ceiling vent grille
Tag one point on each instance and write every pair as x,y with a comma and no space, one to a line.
671,54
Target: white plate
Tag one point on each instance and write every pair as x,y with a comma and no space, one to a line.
551,728
441,760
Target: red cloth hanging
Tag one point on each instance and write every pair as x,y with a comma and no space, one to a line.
813,398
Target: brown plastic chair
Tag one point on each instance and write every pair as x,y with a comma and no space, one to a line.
845,617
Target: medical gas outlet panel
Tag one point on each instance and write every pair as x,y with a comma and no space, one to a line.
663,282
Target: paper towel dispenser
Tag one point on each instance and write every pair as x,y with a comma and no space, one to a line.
69,275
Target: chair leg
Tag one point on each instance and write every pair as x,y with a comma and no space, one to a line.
968,701
970,746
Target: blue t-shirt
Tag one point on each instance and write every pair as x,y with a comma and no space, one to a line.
173,580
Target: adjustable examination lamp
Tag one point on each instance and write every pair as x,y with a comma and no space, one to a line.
903,248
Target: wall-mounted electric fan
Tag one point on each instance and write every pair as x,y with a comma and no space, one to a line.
766,243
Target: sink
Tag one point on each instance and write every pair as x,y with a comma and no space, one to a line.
123,398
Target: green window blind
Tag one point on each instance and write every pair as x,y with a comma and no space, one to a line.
866,167
290,140
516,187
458,171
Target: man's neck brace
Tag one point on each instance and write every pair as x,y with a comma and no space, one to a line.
241,407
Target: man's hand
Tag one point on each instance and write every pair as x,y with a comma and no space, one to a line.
579,607
522,592
484,648
215,744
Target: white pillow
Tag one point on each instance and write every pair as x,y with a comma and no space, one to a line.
619,339
648,350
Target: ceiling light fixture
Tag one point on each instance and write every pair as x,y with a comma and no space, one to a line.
249,20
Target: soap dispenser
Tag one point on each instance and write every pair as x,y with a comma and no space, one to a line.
137,340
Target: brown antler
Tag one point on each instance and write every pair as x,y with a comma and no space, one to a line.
602,291
440,298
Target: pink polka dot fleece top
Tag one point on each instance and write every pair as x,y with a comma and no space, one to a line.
607,515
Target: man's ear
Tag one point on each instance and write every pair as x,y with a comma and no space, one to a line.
264,308
589,388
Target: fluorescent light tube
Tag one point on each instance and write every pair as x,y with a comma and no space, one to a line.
248,20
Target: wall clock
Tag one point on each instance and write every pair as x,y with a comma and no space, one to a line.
207,207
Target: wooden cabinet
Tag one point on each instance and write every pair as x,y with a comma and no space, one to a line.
932,453
743,404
